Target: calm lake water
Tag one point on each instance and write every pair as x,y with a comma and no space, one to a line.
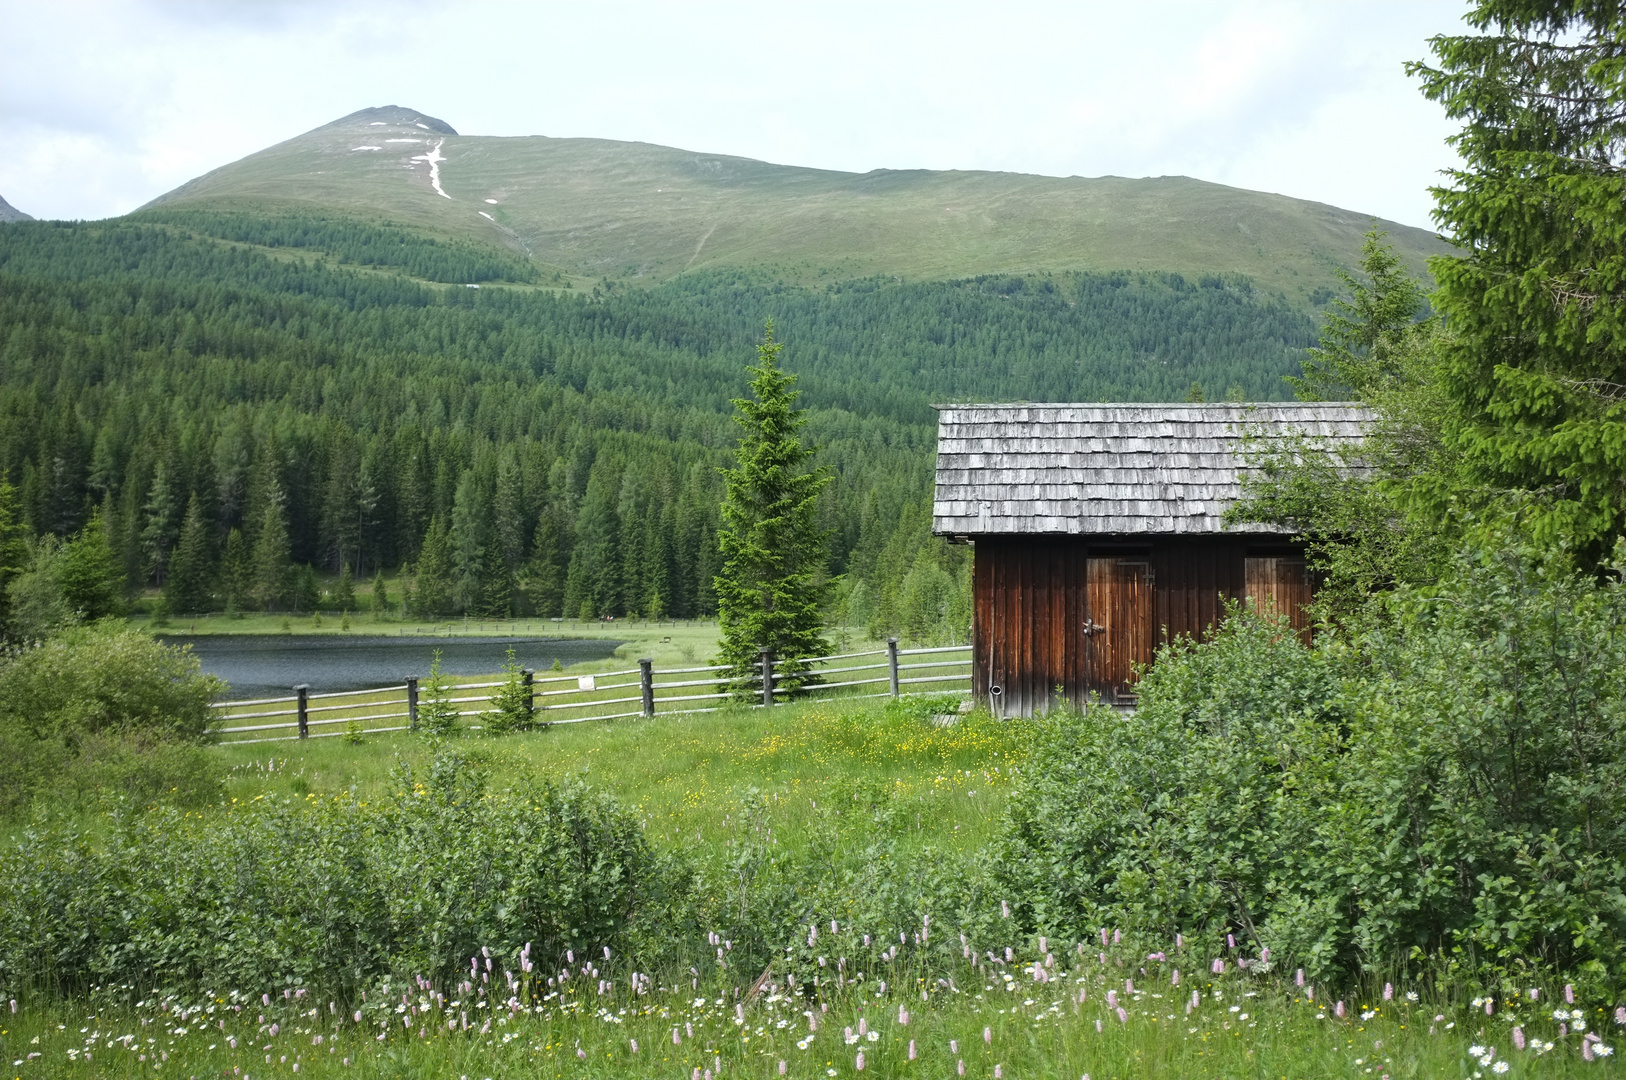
269,666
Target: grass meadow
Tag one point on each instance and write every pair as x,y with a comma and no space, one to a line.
1029,1007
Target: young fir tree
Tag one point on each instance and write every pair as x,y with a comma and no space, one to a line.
273,574
236,573
432,591
189,586
379,601
1535,357
772,582
344,593
13,552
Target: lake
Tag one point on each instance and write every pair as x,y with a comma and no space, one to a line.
259,666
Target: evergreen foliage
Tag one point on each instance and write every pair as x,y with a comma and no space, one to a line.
770,589
1536,358
511,705
437,713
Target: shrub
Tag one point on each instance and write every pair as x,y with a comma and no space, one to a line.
101,710
511,706
335,894
1445,788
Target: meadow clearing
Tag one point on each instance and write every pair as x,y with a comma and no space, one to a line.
811,781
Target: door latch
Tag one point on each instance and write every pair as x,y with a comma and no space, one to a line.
1093,628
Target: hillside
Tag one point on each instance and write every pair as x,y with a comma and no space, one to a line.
11,213
598,208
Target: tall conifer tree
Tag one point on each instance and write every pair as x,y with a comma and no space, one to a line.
189,584
772,582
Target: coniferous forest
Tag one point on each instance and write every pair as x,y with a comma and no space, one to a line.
234,404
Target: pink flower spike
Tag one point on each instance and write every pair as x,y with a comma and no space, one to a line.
1299,978
999,1072
954,1046
911,1055
1112,999
1117,936
1489,1010
988,1036
1179,943
782,1066
1518,1037
859,1064
1174,980
961,1068
1388,991
1569,993
1230,941
1123,1017
1586,1051
1620,1014
1338,1010
1098,1027
635,1046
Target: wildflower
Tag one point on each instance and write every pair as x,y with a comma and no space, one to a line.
998,1072
1338,1010
859,1064
1476,1051
782,1067
635,1046
1518,1037
1098,1027
911,1052
988,1035
1500,1067
1230,941
1299,978
1174,980
954,1046
1601,1050
959,1067
1620,1014
1586,1051
1123,1017
1388,991
1112,999
1179,943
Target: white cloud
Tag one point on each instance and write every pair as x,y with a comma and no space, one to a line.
106,105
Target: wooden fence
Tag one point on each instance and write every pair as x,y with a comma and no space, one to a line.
610,695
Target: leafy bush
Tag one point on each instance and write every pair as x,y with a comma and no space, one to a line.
334,893
1445,789
100,707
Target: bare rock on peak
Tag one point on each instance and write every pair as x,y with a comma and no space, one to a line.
389,116
11,213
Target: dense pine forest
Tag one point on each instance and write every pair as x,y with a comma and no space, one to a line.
235,404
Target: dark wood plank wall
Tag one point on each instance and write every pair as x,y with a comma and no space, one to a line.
1033,595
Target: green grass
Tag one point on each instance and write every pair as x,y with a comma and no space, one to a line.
997,1023
839,763
596,208
847,770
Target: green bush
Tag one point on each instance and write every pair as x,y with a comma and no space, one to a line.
1444,789
335,894
100,708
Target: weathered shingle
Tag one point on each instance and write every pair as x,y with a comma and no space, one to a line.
1109,469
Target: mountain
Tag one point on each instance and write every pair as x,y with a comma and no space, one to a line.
597,208
11,213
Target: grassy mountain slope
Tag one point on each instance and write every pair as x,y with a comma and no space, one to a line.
600,208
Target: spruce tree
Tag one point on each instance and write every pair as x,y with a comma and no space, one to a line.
379,601
432,587
1535,357
543,577
344,594
13,552
88,570
236,573
273,572
189,584
772,582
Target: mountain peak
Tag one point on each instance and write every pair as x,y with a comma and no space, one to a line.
11,213
394,116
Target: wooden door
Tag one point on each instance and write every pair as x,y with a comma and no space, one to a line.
1280,585
1117,624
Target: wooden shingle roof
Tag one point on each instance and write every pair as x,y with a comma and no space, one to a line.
1110,470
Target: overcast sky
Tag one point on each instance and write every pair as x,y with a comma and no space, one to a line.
105,105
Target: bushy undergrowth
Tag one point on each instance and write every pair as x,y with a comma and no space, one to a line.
1441,791
332,892
98,710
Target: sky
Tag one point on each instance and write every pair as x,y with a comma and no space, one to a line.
105,105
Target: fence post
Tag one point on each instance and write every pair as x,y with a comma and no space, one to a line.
303,691
412,703
767,676
646,684
527,678
892,662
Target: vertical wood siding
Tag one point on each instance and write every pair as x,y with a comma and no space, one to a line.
1034,597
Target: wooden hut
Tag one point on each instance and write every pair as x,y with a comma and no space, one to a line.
1099,532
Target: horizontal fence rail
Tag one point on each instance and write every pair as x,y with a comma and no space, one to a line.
642,691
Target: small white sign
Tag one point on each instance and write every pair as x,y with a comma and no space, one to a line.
585,682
